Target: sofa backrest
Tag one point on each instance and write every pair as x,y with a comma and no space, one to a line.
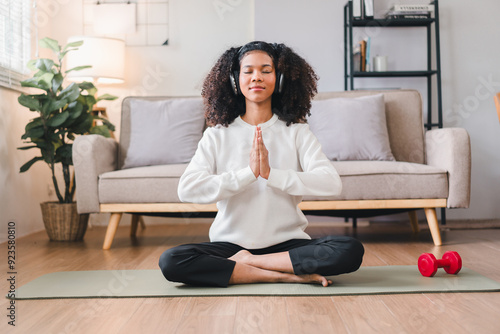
403,109
403,114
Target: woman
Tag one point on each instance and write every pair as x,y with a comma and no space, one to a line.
257,161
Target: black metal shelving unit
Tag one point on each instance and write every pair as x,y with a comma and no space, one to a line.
350,74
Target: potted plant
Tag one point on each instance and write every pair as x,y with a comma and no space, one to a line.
63,113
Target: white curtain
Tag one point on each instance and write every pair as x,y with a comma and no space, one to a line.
15,41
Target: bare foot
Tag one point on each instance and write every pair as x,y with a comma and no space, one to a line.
312,278
245,274
244,257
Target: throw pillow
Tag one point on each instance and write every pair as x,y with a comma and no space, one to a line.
351,128
164,132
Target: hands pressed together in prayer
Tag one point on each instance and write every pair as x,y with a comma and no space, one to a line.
259,161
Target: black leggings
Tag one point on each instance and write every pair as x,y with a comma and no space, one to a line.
207,263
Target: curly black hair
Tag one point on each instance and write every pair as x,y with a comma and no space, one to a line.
292,105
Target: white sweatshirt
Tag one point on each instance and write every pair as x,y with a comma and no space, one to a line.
255,212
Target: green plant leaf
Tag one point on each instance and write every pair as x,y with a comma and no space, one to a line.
69,123
44,64
55,139
57,82
36,122
70,93
34,130
110,125
75,111
106,123
26,148
64,154
107,97
48,152
92,92
78,68
50,43
33,82
45,80
53,105
83,124
86,85
58,119
100,130
34,133
32,64
87,101
41,143
29,102
30,163
89,87
90,100
73,45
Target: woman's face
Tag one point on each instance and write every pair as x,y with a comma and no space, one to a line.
257,76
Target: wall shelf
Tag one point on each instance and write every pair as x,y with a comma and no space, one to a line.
393,22
429,73
388,74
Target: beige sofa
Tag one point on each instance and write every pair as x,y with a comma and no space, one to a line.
431,170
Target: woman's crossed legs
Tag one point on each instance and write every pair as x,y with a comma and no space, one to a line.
297,261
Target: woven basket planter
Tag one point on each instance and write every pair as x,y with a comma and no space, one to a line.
62,221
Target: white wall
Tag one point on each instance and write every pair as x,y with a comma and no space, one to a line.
21,194
469,59
200,31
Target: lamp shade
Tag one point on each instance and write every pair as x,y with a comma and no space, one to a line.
105,55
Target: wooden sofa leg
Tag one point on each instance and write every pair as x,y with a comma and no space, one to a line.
430,213
414,221
136,221
133,226
114,220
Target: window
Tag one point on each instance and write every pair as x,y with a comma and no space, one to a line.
15,41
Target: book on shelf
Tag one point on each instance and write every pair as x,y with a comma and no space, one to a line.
407,15
362,9
413,8
368,8
410,12
356,58
357,9
361,56
362,46
367,61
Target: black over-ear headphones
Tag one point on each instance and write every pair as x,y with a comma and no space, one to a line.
234,77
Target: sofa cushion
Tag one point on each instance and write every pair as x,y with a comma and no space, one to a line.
371,180
403,112
151,184
351,128
360,180
164,132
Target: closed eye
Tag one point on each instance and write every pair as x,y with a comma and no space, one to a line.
265,72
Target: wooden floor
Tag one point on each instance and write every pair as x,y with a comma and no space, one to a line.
385,244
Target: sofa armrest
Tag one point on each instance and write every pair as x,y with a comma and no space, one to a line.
449,149
92,156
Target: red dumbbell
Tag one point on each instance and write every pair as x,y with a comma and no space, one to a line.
428,265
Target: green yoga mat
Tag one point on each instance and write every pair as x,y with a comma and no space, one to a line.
150,283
